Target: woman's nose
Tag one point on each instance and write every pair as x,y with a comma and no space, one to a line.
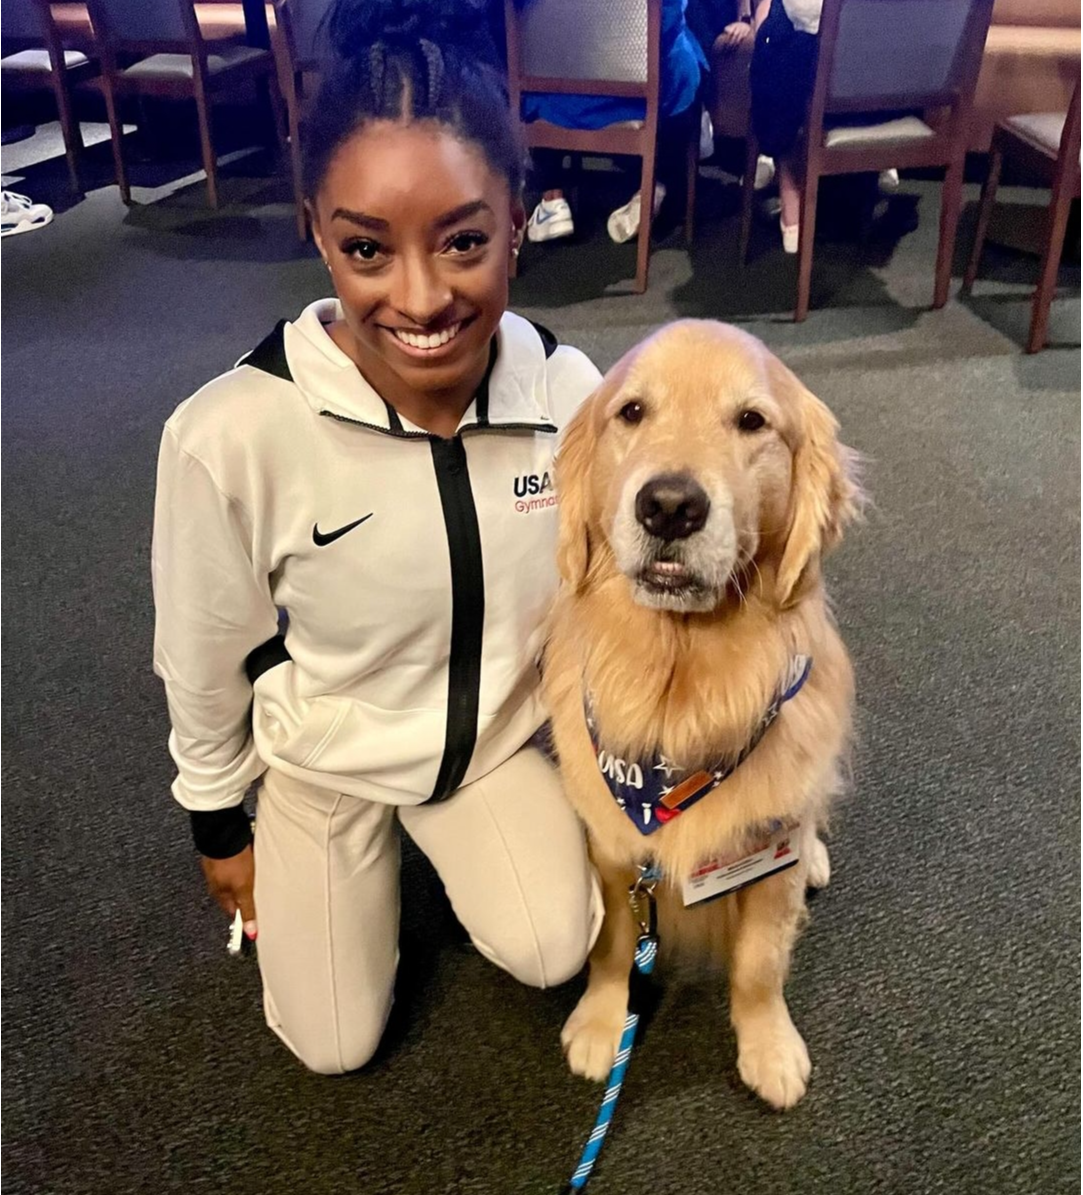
421,292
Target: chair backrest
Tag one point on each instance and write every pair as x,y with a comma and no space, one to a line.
21,20
306,29
1069,139
567,39
145,24
602,47
877,55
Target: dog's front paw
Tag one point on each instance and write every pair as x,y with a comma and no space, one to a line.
773,1060
591,1035
819,864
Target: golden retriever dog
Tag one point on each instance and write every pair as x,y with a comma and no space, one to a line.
700,487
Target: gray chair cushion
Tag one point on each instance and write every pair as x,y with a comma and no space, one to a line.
906,128
1043,129
179,66
38,60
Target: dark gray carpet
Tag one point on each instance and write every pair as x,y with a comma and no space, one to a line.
938,982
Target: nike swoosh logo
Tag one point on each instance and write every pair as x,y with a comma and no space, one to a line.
544,217
321,540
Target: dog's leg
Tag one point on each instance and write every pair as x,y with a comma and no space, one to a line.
592,1033
771,1055
819,863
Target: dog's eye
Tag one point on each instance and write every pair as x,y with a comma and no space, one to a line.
632,412
751,421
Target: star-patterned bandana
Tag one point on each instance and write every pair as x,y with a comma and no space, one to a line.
655,790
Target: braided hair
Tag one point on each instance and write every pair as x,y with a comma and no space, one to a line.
411,60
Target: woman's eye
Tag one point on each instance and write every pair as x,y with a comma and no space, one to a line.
751,421
362,250
632,412
464,242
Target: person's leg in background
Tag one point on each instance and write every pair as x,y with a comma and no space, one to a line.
552,218
781,78
512,855
327,900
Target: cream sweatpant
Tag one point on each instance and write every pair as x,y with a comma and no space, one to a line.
508,849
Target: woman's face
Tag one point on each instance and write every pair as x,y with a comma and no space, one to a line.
417,230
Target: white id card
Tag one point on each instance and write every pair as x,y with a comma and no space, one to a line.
716,877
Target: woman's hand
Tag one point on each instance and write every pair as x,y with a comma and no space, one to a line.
734,34
231,882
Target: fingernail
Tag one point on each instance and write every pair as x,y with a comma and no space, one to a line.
250,930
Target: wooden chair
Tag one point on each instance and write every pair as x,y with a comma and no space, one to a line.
1044,145
171,61
887,56
39,57
300,47
602,48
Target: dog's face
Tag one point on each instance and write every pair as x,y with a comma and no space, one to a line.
699,457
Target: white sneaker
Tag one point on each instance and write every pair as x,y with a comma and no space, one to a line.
20,214
623,224
550,220
765,172
789,236
706,136
888,182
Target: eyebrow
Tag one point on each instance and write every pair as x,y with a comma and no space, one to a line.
463,212
361,219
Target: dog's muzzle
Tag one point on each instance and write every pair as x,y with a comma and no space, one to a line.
672,506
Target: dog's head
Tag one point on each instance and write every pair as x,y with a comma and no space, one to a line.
699,459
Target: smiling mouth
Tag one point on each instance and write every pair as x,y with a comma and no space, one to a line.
430,342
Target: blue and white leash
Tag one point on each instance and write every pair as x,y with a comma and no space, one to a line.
641,894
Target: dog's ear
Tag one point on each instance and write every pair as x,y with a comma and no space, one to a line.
573,463
825,494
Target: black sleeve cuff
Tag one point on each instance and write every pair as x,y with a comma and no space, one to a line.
221,833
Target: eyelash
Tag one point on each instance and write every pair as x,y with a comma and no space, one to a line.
474,241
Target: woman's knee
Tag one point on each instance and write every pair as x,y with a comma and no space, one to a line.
549,949
340,1057
336,1045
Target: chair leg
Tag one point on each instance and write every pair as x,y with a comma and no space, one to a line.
69,127
296,172
950,205
116,137
748,196
206,145
271,101
646,219
691,174
806,237
1056,227
985,210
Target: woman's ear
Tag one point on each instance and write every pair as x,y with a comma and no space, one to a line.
825,495
317,232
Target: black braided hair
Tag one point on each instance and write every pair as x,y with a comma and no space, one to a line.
412,60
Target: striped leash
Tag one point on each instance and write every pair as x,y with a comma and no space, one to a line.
641,895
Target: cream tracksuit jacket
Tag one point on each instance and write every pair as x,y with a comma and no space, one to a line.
412,573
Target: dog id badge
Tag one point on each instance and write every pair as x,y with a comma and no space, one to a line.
717,877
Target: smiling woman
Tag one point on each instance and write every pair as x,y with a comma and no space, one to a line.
358,476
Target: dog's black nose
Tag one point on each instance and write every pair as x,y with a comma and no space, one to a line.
672,506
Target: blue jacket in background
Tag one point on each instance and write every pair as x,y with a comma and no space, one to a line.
683,61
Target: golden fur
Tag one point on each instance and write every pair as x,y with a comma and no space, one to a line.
695,684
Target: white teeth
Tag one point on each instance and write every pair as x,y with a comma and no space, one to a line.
427,342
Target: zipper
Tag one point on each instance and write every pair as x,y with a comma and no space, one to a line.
467,613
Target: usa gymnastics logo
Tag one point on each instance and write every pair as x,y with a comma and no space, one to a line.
534,491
